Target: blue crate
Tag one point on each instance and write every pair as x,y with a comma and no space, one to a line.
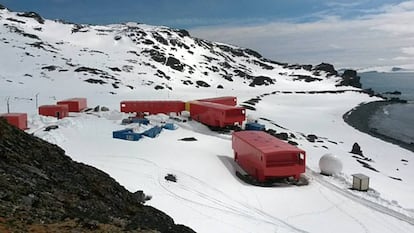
153,132
126,134
169,126
254,126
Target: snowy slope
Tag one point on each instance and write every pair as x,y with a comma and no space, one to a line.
134,61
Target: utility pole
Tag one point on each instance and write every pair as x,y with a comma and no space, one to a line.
37,100
8,104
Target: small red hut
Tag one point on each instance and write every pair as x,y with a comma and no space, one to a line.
74,104
58,111
17,119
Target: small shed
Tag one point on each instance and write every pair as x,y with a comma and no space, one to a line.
17,119
74,104
58,111
360,182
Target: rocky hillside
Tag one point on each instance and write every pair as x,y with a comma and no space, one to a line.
43,190
126,57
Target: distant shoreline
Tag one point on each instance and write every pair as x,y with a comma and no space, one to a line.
360,115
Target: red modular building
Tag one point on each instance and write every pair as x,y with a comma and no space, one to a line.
17,119
152,106
216,115
226,100
265,157
74,104
59,111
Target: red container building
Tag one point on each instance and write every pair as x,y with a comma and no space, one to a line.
74,104
152,106
17,119
59,111
226,100
265,157
216,115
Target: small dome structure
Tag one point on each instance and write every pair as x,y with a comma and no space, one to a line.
330,165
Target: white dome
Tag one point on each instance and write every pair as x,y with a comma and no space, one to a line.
330,164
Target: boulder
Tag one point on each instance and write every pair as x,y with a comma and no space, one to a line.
328,68
356,149
350,78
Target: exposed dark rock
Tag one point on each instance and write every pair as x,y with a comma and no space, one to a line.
114,85
116,69
161,74
367,165
220,86
182,32
263,65
201,83
21,32
33,15
248,107
117,37
158,87
293,143
243,74
171,177
50,68
159,38
41,186
95,81
189,139
298,66
356,149
156,55
175,64
101,73
350,78
44,46
261,80
282,136
15,20
306,78
235,51
311,138
328,68
253,53
148,42
2,7
228,77
79,28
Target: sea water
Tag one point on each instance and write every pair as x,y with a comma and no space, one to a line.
395,120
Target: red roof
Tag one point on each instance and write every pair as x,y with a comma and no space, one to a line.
265,142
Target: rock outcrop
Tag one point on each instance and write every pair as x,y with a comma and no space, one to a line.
42,188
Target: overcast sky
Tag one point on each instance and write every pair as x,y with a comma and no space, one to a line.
348,34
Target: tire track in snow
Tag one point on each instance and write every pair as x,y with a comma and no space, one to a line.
246,210
367,203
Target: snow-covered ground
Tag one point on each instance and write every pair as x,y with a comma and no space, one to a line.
207,196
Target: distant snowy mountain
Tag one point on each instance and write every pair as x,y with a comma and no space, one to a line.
43,61
126,57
